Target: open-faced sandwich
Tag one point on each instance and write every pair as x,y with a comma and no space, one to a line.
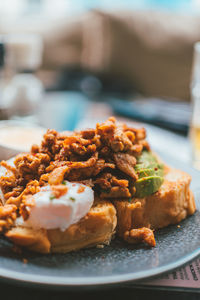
79,189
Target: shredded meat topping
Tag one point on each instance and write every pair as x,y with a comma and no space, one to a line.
57,176
126,162
81,189
59,190
25,206
103,158
7,216
139,235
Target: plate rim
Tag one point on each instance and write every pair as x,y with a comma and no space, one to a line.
67,282
91,281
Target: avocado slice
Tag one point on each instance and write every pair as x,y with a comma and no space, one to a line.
146,158
145,172
147,185
150,175
157,170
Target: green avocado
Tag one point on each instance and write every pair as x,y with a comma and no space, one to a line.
156,170
146,160
147,186
150,175
145,172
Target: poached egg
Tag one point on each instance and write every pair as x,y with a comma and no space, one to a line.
50,212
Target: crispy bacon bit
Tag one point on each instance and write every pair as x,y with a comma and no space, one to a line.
130,135
100,166
49,143
6,210
107,128
30,166
57,176
44,179
9,187
111,187
116,192
31,188
139,235
35,149
84,164
7,216
25,206
107,180
70,140
59,190
88,133
11,169
120,141
119,182
81,189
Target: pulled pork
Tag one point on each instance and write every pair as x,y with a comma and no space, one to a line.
144,234
7,216
126,163
104,156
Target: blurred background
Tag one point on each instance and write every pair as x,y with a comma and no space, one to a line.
67,64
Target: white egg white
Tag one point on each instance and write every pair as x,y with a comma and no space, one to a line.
51,213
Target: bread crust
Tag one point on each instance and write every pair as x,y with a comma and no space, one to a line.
172,203
97,227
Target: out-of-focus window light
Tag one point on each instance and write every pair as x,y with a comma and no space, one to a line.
41,11
196,3
33,14
48,8
60,8
12,8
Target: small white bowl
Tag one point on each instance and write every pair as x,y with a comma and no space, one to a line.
18,137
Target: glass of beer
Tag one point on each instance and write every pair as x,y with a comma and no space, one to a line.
195,100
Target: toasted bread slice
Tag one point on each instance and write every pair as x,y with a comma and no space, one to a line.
97,227
172,203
